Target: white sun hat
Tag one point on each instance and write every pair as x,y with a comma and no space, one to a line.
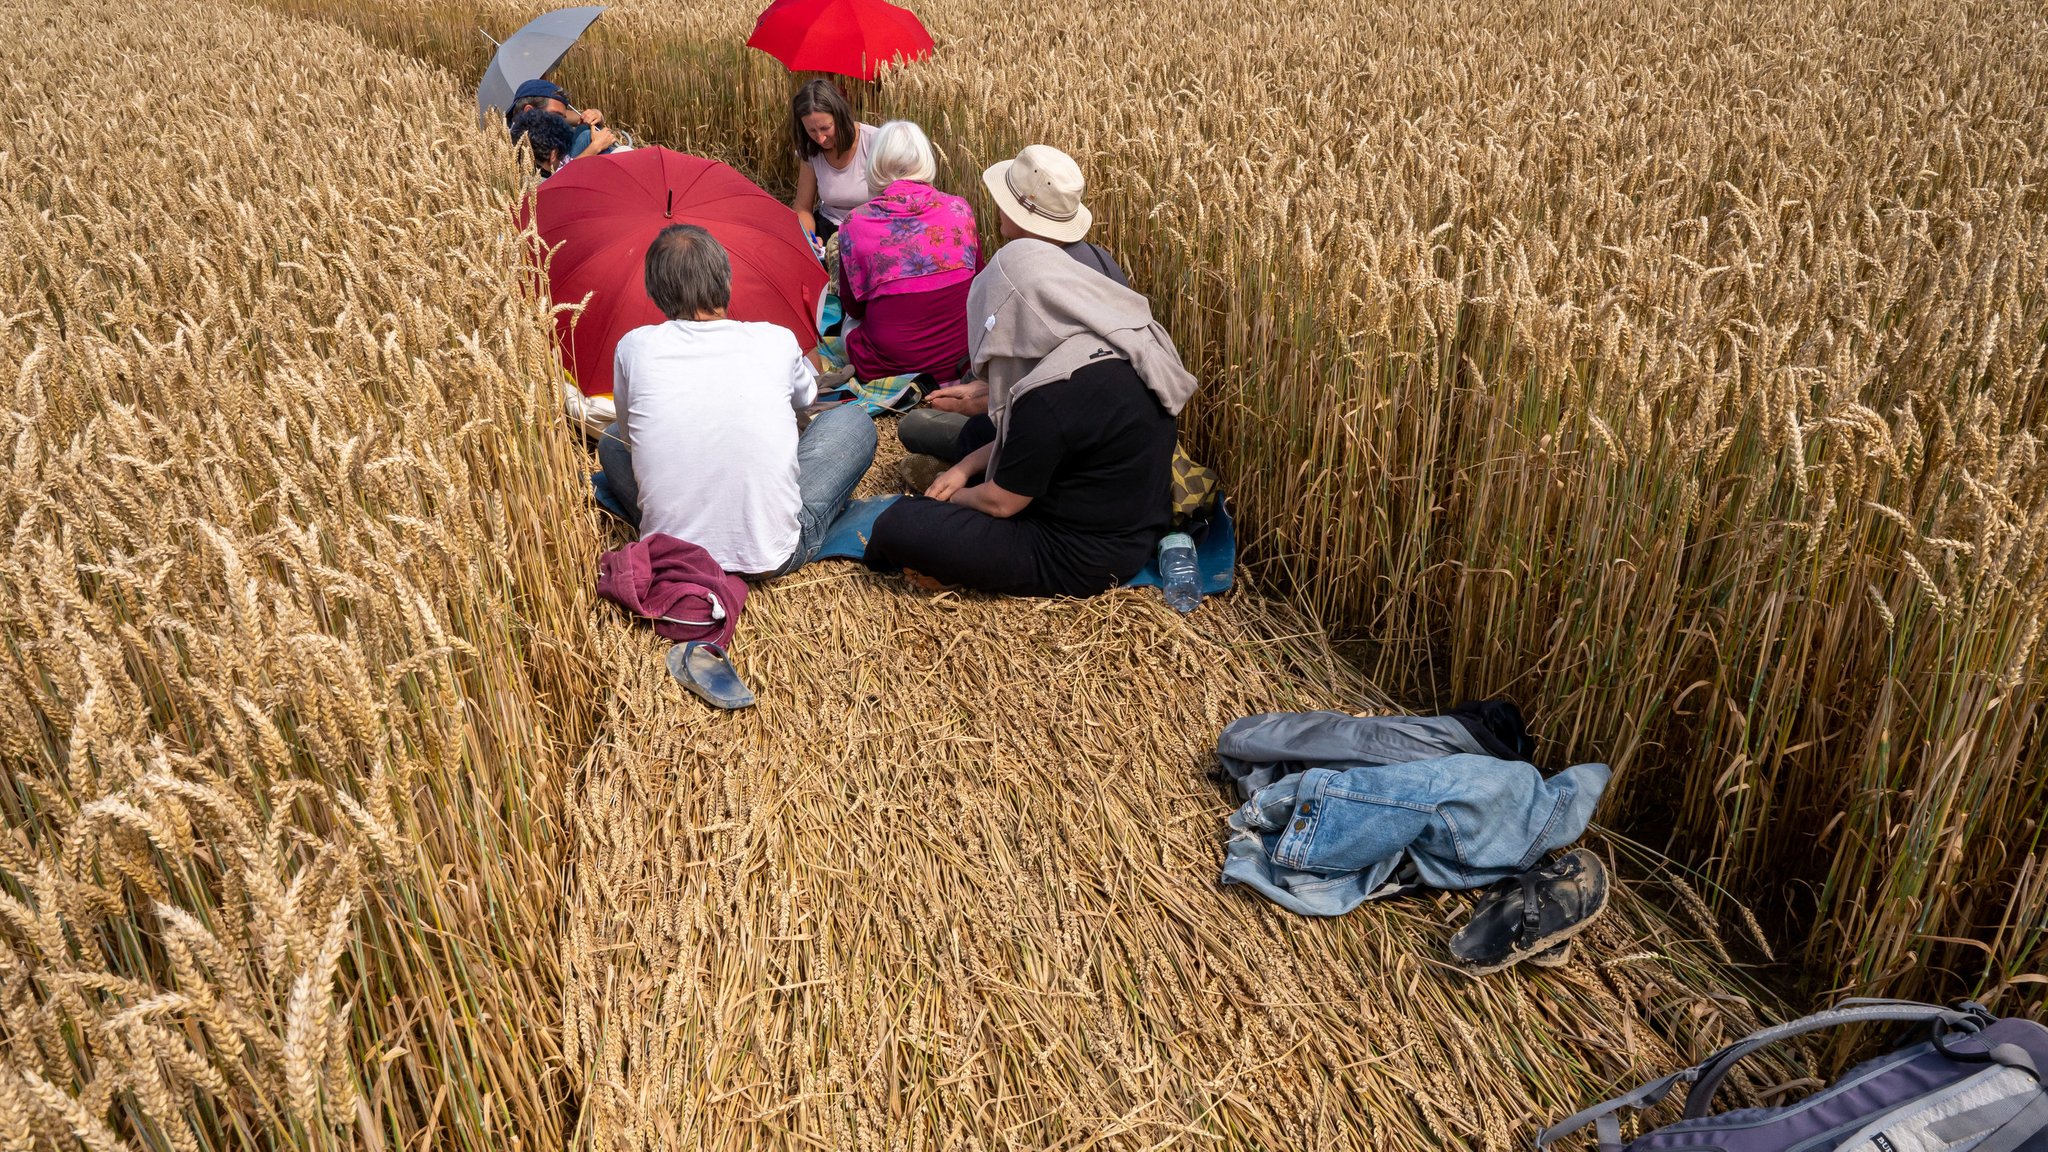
1040,191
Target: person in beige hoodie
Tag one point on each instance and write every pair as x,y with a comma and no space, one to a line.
1038,196
1070,493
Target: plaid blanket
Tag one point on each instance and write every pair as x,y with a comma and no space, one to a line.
885,394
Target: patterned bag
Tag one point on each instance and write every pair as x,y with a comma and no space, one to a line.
1194,487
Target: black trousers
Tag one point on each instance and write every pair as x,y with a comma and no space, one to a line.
958,545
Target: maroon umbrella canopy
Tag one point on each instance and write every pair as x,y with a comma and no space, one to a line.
598,215
848,37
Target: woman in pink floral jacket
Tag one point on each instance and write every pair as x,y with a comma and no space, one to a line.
906,258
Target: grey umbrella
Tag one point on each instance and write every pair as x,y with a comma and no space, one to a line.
528,54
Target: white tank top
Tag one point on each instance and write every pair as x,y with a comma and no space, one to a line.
841,190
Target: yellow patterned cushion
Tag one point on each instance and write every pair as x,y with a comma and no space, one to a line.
1194,486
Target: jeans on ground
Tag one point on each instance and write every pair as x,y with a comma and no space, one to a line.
1258,751
1351,798
1324,841
832,454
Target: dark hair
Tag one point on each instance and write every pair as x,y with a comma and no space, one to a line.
688,272
548,133
820,95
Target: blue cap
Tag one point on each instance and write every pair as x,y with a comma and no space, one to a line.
542,89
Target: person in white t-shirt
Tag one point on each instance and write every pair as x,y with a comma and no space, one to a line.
706,447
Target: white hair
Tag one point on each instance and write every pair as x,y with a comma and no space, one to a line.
900,152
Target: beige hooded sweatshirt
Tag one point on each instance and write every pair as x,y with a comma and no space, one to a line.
1036,315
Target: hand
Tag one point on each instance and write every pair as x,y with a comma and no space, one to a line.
950,481
592,118
969,399
600,139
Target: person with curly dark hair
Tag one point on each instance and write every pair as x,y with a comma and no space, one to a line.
592,135
551,137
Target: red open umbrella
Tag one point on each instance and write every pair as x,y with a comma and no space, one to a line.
849,37
598,215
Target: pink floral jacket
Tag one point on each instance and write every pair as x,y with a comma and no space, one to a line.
911,238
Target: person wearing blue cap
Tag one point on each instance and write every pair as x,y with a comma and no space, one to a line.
591,134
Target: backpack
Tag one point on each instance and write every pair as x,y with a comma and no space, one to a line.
1974,1085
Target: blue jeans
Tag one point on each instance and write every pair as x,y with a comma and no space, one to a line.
1261,750
831,457
1356,798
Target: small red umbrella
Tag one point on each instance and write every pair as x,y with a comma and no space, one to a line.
598,216
848,37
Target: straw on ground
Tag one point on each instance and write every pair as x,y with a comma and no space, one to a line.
1681,372
336,814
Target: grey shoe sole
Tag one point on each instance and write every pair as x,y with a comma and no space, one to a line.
704,669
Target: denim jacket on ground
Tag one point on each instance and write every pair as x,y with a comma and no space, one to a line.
1323,840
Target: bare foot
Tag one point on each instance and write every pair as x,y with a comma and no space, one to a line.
923,582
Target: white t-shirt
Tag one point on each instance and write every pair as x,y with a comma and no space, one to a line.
841,190
708,408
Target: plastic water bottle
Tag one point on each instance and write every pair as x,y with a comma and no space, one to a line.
1180,578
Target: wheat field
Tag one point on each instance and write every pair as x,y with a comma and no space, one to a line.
1678,370
291,682
338,815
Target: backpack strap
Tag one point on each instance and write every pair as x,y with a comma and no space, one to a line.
1606,1128
2001,1125
1716,1067
1706,1077
2025,1124
2014,1056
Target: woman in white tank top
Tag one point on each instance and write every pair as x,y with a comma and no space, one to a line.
833,179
